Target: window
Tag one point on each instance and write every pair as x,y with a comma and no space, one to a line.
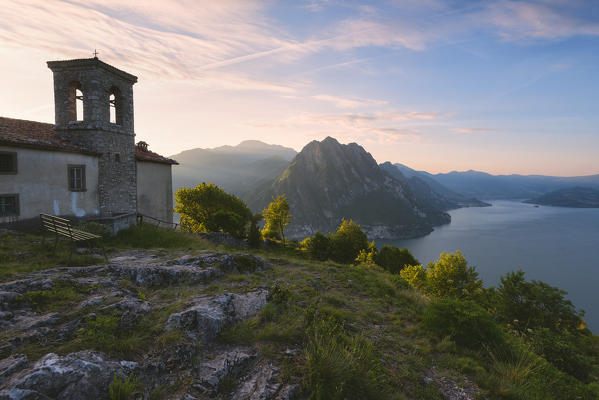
77,178
8,162
116,104
76,106
117,157
9,205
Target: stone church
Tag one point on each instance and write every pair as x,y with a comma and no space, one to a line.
87,164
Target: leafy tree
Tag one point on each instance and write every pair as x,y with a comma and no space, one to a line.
347,242
208,208
450,276
254,235
535,305
276,218
393,259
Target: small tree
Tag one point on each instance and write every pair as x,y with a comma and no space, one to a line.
276,218
208,208
347,242
450,276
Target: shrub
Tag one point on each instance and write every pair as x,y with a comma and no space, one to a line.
394,259
450,276
347,242
467,323
415,275
563,351
123,388
318,246
367,256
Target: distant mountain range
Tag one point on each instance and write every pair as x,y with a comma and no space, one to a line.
236,169
579,197
328,181
486,186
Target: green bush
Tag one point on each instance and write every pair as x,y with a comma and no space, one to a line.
318,246
535,305
467,323
367,256
347,242
394,259
450,276
414,275
123,388
564,352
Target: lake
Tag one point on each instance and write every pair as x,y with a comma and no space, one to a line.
556,245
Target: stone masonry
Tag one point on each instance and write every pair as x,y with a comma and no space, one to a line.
114,142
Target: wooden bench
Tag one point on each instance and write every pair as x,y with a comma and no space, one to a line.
63,227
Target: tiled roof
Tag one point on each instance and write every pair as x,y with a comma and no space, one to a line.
33,134
40,135
147,155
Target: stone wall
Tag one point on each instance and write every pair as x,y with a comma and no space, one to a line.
114,142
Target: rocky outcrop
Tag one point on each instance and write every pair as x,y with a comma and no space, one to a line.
77,376
206,315
116,290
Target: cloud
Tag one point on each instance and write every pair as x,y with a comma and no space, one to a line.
516,20
379,127
342,102
471,130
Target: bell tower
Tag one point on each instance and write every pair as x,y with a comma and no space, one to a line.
93,106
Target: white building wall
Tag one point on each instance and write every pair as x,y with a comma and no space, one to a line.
42,184
155,190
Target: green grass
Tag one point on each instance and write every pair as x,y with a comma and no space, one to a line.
147,236
122,388
20,255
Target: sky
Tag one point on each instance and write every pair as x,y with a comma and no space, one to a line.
497,86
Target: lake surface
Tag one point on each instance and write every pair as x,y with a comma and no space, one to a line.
556,245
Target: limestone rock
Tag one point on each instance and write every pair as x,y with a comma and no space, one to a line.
77,376
206,315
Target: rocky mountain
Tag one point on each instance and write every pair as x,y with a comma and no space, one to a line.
328,181
486,186
234,168
579,197
427,190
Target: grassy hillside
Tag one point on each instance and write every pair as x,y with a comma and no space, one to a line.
339,331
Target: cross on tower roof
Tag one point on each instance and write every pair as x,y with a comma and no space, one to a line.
95,53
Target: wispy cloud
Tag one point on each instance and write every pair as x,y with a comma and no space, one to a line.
471,130
343,102
517,20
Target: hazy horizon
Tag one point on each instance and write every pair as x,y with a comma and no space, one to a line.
504,87
378,161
